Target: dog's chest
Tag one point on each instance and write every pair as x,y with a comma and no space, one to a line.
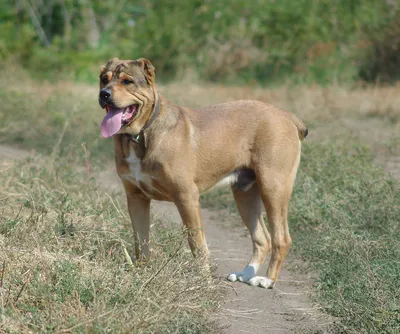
141,179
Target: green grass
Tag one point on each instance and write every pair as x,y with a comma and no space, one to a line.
345,222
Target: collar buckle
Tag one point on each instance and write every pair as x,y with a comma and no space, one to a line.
135,138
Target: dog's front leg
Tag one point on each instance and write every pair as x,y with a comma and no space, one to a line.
139,211
188,205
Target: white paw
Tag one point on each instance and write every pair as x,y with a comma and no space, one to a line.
262,282
244,276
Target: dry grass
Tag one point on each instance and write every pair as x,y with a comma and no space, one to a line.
65,267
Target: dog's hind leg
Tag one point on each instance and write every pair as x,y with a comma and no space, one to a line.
250,208
276,189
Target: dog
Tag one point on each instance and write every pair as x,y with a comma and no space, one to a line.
167,152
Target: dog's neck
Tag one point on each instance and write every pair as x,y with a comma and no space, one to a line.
156,110
160,122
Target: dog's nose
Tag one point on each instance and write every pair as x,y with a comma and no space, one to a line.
105,94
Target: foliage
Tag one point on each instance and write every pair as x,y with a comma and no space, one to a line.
235,40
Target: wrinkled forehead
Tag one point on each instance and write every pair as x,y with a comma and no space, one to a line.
116,68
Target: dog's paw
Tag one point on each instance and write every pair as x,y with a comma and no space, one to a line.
262,282
243,276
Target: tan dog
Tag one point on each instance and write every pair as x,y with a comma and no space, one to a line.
171,153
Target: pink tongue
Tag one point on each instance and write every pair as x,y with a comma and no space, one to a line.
112,123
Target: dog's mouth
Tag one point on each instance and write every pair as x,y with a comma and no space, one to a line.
117,118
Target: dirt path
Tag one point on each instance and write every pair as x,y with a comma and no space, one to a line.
246,309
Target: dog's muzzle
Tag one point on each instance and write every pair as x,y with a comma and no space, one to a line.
105,97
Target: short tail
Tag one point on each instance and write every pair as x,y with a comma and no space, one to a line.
301,127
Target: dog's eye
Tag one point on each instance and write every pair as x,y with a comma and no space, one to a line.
126,82
104,80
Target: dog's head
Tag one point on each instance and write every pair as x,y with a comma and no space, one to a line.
127,93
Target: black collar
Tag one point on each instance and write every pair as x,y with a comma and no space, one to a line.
136,138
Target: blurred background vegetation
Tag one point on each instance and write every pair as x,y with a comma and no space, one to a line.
234,41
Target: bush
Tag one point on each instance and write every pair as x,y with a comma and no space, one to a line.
265,41
381,58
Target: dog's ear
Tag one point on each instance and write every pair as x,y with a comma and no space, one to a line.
148,69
